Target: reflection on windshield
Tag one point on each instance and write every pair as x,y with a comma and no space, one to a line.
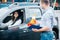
3,11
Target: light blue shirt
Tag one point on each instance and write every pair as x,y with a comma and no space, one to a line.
47,18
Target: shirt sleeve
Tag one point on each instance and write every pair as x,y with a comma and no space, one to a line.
8,23
18,22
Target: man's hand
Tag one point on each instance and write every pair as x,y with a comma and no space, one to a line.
41,30
35,30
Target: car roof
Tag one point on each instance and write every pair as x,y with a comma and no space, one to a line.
15,6
23,5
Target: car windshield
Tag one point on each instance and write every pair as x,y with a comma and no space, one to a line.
3,11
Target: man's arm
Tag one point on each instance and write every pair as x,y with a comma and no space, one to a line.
44,29
46,24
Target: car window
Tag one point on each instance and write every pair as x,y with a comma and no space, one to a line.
21,16
34,12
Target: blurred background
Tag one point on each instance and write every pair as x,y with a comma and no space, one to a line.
5,3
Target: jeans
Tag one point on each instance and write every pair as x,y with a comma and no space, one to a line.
46,35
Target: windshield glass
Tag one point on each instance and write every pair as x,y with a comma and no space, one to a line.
33,11
3,11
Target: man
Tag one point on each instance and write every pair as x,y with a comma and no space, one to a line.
46,21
